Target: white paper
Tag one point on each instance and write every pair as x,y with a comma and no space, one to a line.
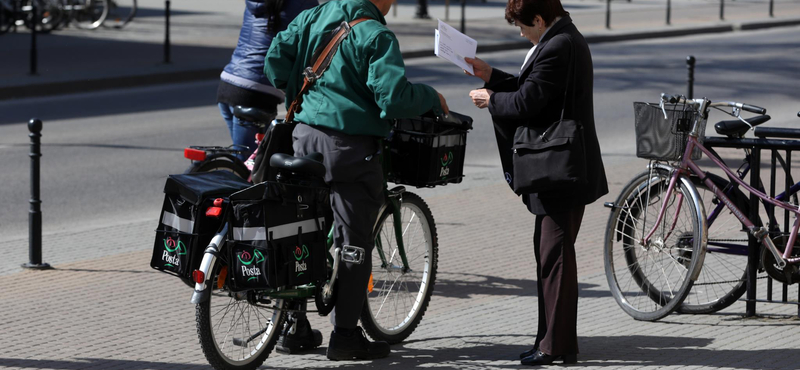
454,46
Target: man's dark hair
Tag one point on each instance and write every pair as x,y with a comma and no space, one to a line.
523,11
274,8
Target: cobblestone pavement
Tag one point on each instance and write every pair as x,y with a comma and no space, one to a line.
114,312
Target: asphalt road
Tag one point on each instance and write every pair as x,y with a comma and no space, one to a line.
106,155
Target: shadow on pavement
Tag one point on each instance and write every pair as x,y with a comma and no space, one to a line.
467,286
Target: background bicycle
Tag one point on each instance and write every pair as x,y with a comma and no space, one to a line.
651,270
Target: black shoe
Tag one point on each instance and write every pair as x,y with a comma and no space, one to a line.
355,346
529,352
422,16
541,358
302,337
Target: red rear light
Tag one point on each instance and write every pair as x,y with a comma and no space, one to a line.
218,202
198,276
259,137
194,154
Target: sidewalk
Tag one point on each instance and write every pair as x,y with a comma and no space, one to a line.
115,312
204,33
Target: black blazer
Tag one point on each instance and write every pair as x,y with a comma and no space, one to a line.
535,98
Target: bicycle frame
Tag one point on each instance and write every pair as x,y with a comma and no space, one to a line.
688,166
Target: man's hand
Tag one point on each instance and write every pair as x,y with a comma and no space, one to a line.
482,69
443,102
481,97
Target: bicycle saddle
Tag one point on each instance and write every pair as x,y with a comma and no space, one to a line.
310,164
253,115
737,128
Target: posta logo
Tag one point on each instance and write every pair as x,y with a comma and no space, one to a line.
447,159
171,246
300,254
244,256
247,259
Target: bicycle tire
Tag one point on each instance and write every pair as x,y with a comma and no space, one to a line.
120,13
723,277
88,14
420,241
234,319
51,15
220,163
628,262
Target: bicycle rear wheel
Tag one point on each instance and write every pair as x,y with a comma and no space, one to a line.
723,278
88,14
397,298
223,164
649,280
236,330
51,14
120,13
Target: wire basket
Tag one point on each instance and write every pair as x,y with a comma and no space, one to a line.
663,139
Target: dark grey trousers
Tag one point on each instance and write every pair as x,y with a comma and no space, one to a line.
356,179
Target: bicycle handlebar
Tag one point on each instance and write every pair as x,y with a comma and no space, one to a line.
676,99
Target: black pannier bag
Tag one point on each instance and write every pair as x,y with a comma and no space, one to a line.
426,151
278,236
183,229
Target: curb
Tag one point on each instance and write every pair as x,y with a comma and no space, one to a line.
69,87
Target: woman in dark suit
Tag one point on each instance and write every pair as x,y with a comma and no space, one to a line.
535,99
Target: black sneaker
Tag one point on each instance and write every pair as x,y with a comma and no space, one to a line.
301,338
355,346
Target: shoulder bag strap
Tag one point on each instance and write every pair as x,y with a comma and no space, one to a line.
320,62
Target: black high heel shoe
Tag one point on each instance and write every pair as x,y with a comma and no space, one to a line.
541,358
529,352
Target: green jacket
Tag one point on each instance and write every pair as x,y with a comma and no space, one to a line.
365,85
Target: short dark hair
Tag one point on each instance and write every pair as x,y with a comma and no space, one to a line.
523,11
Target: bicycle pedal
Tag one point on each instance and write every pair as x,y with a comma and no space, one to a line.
353,254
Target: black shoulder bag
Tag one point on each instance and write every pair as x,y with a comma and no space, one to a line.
552,159
278,137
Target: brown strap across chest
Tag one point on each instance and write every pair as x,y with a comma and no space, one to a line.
320,62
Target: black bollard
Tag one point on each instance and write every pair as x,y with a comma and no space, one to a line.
722,10
34,56
464,16
669,11
166,32
35,213
771,14
608,14
690,82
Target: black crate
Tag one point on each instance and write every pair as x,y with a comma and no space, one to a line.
425,151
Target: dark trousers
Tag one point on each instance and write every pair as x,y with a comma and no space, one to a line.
356,178
557,280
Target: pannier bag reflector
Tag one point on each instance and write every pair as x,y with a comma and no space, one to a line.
181,224
278,232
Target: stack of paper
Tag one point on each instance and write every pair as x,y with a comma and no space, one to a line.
454,46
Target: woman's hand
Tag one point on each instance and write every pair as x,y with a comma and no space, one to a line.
482,69
481,97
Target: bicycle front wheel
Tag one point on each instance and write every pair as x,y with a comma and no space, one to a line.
723,278
120,13
237,331
650,279
397,296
